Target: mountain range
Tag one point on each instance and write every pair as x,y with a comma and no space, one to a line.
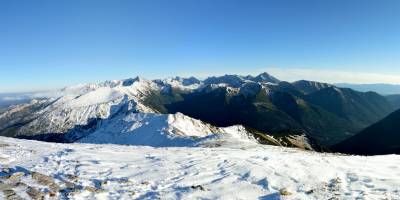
304,114
381,88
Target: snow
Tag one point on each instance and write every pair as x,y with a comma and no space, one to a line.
163,130
83,102
100,95
149,129
242,171
184,84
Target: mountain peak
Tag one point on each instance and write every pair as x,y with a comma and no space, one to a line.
231,80
130,81
265,77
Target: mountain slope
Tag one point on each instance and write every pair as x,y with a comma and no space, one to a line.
394,100
381,138
361,109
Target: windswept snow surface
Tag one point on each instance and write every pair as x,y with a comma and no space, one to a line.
101,95
237,171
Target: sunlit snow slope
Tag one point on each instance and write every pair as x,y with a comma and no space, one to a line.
237,170
158,130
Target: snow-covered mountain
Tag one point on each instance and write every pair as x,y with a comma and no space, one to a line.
237,80
278,112
115,113
77,105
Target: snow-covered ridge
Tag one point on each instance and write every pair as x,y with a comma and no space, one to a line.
79,104
139,83
161,130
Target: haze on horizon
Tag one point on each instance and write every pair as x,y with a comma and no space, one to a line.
50,44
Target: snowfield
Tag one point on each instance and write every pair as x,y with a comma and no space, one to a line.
234,169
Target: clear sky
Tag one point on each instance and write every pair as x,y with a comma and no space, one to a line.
50,44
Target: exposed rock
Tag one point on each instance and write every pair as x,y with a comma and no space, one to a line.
52,194
72,177
93,189
285,192
198,187
4,145
45,180
69,185
20,184
5,170
42,179
16,176
4,186
145,183
11,195
35,193
310,191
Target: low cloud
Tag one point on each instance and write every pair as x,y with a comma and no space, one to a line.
333,76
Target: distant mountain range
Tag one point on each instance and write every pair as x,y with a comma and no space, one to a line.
383,89
9,99
304,114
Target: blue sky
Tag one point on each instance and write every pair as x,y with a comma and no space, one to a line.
50,44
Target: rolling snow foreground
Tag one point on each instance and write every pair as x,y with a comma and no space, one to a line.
238,169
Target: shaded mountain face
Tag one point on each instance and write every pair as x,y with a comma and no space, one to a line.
320,113
329,115
271,113
361,109
382,137
394,100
